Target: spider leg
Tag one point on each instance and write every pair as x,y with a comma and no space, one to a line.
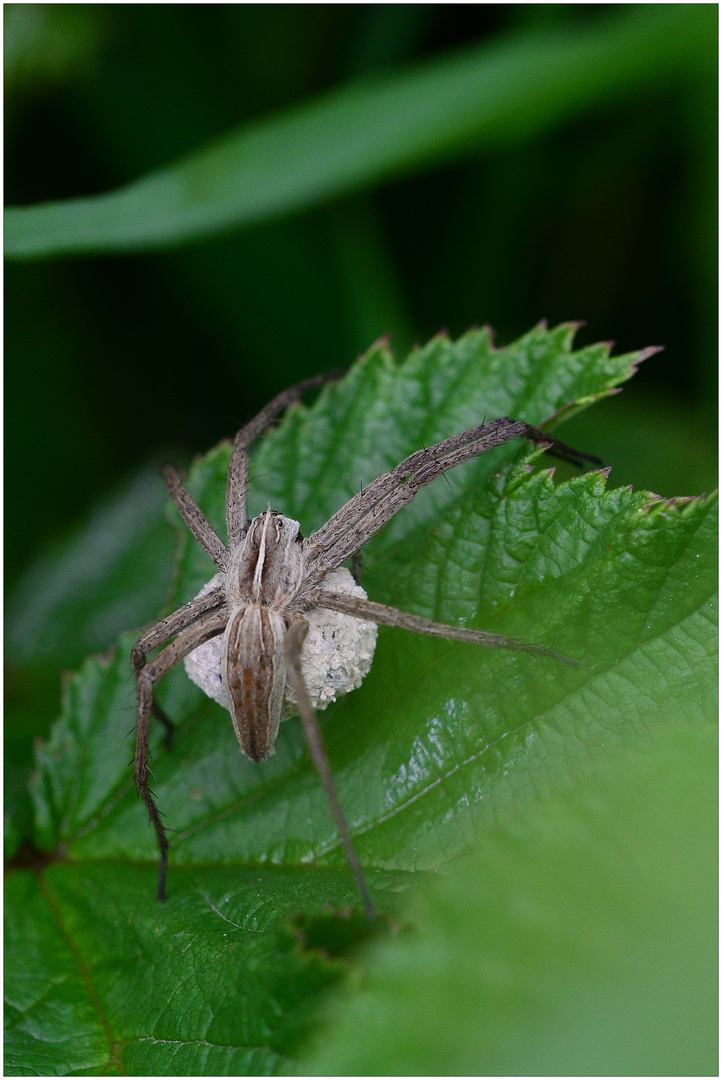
390,616
194,517
314,739
185,617
357,566
238,466
361,518
166,722
180,620
146,678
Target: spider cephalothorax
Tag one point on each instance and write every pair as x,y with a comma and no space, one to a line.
274,589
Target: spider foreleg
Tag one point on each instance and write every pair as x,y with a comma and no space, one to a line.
142,773
390,616
357,565
238,466
295,637
361,518
166,722
146,678
182,619
556,448
194,517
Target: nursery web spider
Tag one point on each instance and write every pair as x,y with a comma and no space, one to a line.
271,581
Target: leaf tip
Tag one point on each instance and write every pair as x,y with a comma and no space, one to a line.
603,473
644,354
575,325
490,336
676,502
569,330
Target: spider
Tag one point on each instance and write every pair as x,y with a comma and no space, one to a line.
272,582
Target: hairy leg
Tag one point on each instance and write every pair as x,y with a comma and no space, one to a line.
314,739
361,518
167,723
389,616
146,678
238,467
357,566
187,616
180,620
194,517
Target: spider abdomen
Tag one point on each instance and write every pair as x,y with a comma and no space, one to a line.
253,670
337,652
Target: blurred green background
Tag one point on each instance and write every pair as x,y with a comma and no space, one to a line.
579,182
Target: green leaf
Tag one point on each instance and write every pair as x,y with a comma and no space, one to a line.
18,816
52,1024
373,129
442,739
580,941
101,978
113,572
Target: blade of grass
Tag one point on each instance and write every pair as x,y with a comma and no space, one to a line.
365,131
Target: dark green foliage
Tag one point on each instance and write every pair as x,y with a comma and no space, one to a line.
344,141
